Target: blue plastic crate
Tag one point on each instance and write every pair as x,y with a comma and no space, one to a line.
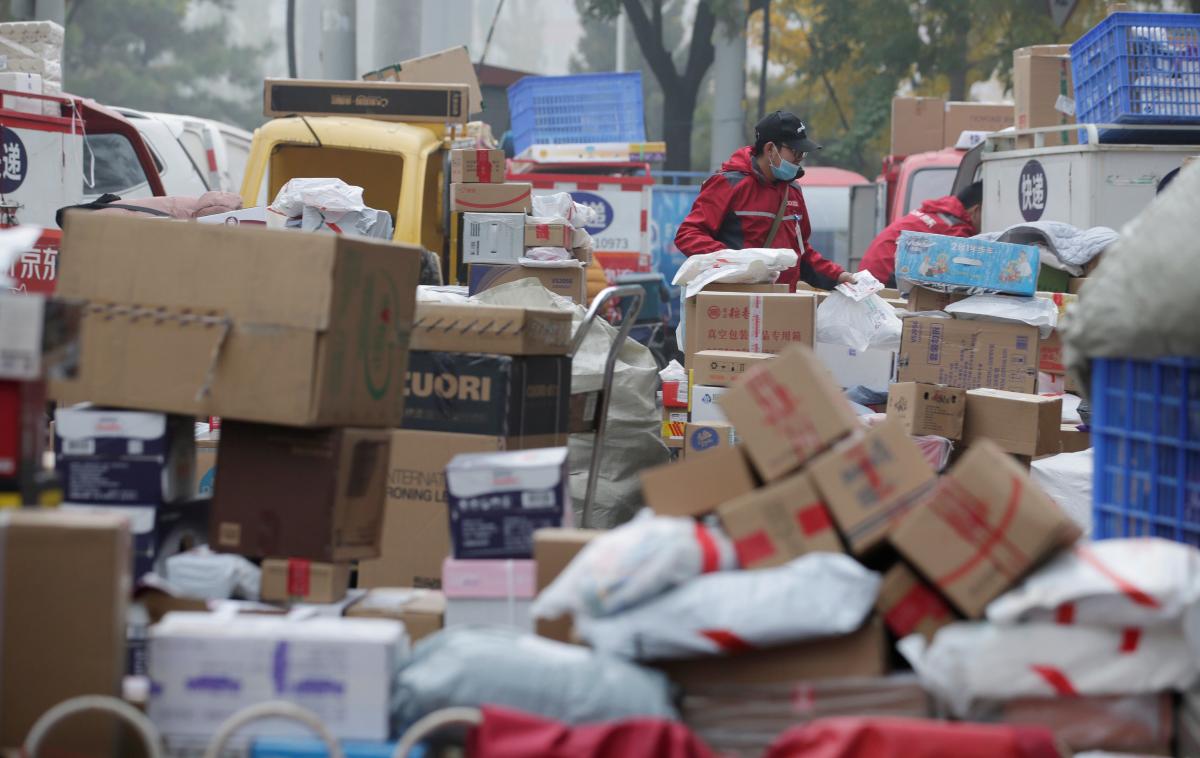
559,110
1146,439
1138,68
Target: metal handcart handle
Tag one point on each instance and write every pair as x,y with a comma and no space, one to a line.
433,723
272,709
636,293
104,703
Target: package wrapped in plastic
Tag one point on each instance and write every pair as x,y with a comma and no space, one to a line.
367,222
858,324
546,254
560,207
815,595
1117,583
1067,479
750,266
475,666
967,662
323,193
1123,723
633,563
1035,311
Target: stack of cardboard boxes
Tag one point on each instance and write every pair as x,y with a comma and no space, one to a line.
921,124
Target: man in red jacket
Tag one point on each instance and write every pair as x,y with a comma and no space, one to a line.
737,205
952,215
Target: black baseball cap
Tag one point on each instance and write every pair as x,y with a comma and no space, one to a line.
784,128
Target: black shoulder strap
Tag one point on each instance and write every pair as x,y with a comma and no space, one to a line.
108,200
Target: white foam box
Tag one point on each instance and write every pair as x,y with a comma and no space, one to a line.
204,667
15,81
495,592
871,368
705,408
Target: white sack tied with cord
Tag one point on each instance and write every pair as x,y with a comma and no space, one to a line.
633,563
756,265
816,595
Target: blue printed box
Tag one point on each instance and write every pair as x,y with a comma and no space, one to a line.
965,263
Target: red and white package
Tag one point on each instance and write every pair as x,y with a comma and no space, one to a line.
816,595
967,662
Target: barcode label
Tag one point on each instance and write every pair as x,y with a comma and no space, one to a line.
475,229
543,499
79,447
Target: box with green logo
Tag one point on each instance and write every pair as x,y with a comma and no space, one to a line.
274,326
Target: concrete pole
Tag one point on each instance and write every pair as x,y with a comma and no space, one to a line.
729,81
337,39
389,31
621,40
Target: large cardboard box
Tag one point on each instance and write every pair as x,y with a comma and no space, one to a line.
721,368
287,580
699,438
254,324
388,101
568,279
967,262
1041,76
691,338
498,395
1020,424
779,522
301,493
63,612
870,481
553,549
484,166
497,329
969,354
757,323
416,532
493,238
925,299
974,117
982,528
925,409
788,410
918,124
697,484
421,611
908,605
511,197
453,64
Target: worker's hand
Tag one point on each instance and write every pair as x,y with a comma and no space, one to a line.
845,277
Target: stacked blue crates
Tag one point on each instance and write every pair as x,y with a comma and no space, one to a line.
584,108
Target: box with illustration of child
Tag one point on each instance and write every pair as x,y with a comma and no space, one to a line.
957,263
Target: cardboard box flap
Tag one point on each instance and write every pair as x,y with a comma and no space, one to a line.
251,275
439,326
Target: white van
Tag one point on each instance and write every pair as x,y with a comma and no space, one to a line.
193,154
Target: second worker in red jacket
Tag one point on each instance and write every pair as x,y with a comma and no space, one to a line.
952,215
737,205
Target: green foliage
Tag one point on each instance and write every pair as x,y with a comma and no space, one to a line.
143,54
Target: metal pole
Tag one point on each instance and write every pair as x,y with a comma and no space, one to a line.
766,50
729,79
620,41
338,39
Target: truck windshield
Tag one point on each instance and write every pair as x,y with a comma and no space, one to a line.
928,184
111,165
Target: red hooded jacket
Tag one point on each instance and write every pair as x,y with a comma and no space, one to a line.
945,215
735,210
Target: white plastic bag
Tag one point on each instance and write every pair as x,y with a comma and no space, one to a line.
323,193
634,563
1067,479
972,661
816,595
560,207
546,254
674,372
861,324
1035,311
751,266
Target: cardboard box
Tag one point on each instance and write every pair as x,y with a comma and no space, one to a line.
1041,76
674,426
510,197
691,338
453,64
63,612
872,368
489,592
698,484
421,611
1072,439
1141,724
721,368
491,329
416,538
757,323
265,321
983,527
924,409
870,481
493,237
498,395
967,262
113,457
207,667
969,354
568,280
1019,423
910,606
286,580
706,407
304,493
918,124
861,653
975,117
387,101
925,299
469,166
206,466
498,500
701,437
549,235
786,411
553,549
779,522
583,409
